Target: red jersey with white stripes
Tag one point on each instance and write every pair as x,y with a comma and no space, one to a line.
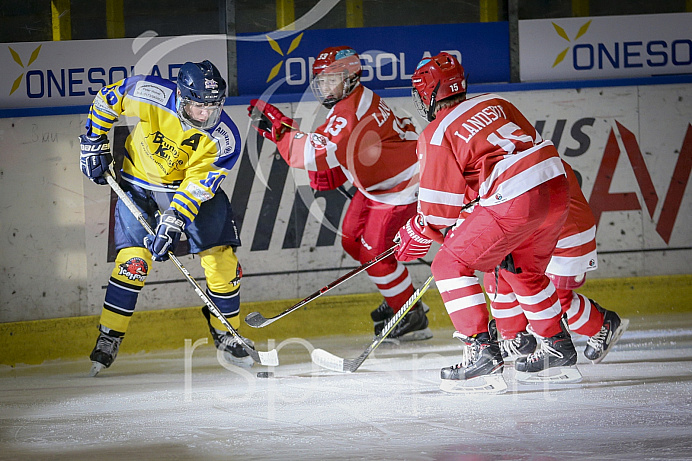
375,149
483,143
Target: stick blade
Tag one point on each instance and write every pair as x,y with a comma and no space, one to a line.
327,360
351,365
269,358
256,320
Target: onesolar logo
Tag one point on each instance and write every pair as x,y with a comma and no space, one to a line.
604,50
275,46
561,32
18,60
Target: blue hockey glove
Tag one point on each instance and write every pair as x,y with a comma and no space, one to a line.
168,232
95,158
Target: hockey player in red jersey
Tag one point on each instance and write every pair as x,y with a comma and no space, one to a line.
574,255
485,145
364,142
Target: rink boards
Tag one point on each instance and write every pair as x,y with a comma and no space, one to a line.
631,146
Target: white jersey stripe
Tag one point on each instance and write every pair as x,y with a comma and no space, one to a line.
398,289
441,198
459,304
551,312
455,283
364,103
539,297
572,265
389,183
459,110
507,313
384,279
503,298
578,239
436,220
403,197
574,310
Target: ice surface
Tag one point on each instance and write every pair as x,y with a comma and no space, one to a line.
636,404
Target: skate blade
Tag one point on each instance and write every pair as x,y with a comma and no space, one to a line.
624,323
96,368
242,362
561,375
487,384
327,360
418,335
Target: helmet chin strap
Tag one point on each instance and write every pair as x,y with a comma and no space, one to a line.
431,107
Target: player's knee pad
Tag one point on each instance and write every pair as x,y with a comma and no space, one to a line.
127,279
447,266
223,273
351,246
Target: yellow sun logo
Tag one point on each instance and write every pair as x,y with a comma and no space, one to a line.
275,46
18,60
561,32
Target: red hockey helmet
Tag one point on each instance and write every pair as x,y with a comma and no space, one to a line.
335,74
435,79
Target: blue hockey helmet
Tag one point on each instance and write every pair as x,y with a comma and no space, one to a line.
201,93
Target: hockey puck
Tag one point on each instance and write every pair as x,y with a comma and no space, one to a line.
265,374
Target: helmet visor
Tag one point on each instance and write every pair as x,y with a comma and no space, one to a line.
198,114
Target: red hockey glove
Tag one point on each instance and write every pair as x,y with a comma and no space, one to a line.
271,122
413,243
327,179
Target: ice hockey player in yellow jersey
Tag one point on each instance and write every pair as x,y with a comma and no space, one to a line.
175,159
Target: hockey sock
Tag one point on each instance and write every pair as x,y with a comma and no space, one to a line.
126,281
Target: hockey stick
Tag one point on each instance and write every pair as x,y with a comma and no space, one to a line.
269,358
344,192
257,320
332,362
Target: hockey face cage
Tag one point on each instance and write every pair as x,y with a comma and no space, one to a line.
427,111
332,87
336,73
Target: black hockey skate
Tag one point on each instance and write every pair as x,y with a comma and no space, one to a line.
228,345
523,344
105,351
381,315
414,325
553,362
480,370
598,346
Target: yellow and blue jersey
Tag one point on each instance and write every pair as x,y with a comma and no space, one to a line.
162,153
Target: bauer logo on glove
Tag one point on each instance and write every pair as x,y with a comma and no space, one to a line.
167,235
95,158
